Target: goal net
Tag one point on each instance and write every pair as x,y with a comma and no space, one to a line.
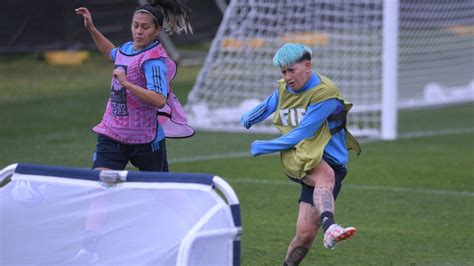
47,214
382,54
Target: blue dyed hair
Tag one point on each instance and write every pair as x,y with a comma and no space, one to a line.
291,53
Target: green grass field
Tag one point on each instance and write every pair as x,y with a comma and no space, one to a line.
412,200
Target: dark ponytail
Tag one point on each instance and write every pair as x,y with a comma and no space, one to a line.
172,15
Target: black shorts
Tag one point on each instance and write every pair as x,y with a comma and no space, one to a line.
114,155
306,194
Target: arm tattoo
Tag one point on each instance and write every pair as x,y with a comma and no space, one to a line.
323,199
296,256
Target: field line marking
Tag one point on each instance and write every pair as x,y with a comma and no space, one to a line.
359,187
433,133
242,154
216,156
406,135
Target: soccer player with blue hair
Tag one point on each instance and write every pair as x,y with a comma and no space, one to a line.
311,115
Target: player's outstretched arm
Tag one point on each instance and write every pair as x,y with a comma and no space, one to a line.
260,112
102,43
316,115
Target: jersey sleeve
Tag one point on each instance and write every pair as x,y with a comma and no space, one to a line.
315,116
113,54
155,74
261,111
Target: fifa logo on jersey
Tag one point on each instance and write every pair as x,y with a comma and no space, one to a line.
292,116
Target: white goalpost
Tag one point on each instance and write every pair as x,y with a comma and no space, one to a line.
384,55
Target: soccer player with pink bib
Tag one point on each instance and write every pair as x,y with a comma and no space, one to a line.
140,90
142,110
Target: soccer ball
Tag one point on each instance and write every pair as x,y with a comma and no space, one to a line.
29,194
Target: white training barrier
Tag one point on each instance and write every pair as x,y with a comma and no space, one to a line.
51,215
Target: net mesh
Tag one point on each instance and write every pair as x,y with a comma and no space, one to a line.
435,61
436,57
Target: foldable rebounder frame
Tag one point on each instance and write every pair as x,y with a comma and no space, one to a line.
217,226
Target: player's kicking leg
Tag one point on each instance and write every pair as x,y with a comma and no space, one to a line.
325,179
336,233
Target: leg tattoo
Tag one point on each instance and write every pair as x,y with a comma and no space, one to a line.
296,256
324,202
323,199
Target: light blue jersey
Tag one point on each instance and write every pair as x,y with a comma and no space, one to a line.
315,115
